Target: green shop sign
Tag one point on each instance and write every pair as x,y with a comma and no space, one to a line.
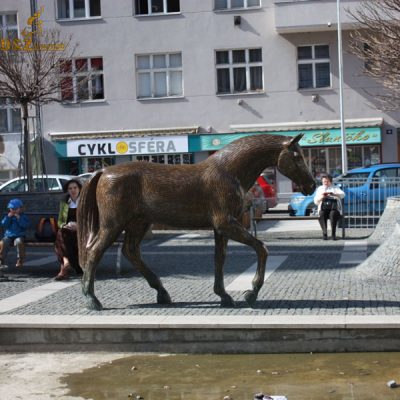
315,137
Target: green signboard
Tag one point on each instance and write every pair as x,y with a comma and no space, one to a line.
315,137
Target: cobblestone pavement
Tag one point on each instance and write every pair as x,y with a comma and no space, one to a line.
312,279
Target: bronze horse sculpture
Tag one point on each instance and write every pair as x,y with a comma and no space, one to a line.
211,194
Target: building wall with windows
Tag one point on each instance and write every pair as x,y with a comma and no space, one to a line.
162,68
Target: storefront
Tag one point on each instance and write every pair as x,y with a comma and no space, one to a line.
88,151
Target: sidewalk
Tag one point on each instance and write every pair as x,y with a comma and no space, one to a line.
312,299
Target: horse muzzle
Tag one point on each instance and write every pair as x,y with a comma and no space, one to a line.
308,188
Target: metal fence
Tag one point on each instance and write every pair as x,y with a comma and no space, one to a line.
366,199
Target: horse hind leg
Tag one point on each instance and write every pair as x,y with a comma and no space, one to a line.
131,250
95,253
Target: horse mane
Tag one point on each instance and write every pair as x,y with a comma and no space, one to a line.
247,157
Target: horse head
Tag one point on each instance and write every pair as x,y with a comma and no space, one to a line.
291,163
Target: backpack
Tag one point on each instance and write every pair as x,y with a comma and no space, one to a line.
46,230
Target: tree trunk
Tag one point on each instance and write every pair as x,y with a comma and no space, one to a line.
27,149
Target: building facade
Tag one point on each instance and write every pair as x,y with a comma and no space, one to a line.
172,81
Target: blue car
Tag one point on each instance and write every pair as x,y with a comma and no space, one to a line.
366,190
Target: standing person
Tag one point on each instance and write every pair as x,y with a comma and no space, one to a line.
15,224
328,199
66,244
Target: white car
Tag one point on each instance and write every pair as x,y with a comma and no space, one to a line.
86,176
40,183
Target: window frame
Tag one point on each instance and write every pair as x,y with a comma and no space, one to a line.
9,107
5,29
229,6
89,74
247,64
71,11
150,9
153,70
313,61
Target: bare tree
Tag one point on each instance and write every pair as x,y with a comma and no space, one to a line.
376,41
30,74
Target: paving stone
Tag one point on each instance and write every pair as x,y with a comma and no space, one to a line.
311,281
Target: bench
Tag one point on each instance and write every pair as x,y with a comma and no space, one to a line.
255,220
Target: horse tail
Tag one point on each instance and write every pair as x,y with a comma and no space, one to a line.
88,217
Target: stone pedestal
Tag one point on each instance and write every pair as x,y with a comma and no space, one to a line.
384,262
388,221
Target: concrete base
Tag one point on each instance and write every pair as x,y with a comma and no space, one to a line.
190,334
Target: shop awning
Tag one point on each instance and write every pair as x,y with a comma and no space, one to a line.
307,125
183,130
317,133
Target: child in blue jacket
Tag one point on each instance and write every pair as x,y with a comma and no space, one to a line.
14,224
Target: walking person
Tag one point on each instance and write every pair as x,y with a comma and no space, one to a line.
328,198
66,244
15,224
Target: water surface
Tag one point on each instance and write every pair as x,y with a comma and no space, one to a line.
208,377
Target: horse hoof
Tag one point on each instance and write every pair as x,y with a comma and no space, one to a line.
227,303
164,298
94,305
250,297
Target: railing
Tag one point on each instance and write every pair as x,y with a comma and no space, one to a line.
366,199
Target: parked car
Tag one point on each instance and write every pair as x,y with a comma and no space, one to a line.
84,177
40,183
269,191
366,190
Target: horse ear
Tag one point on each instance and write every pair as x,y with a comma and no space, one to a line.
294,140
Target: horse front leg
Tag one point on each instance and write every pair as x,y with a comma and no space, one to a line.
233,230
131,250
219,260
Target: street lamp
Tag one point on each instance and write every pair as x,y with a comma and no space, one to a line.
340,65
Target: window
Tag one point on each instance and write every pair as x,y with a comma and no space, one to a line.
368,51
8,26
186,158
10,117
72,9
159,75
321,160
239,71
372,155
313,66
387,173
82,79
93,164
229,4
144,7
19,185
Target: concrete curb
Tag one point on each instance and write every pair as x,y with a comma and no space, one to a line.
199,334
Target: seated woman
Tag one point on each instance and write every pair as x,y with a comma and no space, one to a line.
66,244
328,199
